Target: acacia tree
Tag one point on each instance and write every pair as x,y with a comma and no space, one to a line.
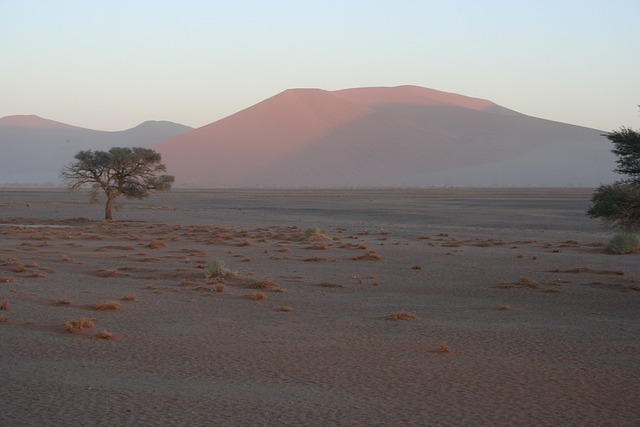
618,204
130,172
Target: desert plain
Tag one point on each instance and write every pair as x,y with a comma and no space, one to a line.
349,307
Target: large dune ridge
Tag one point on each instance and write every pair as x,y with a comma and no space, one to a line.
383,136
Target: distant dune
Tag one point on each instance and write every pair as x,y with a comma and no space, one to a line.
386,136
33,122
34,149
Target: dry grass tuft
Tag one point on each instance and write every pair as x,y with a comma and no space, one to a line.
18,267
129,297
219,288
7,279
108,305
5,304
104,335
62,301
402,315
529,282
76,325
156,244
369,256
504,307
330,285
285,309
444,347
258,296
267,285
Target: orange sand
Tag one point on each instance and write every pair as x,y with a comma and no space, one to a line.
541,325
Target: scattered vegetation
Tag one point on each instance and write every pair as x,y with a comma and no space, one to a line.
108,306
129,298
402,315
285,309
267,285
369,256
79,324
5,304
310,234
156,244
215,268
624,243
258,296
104,335
444,347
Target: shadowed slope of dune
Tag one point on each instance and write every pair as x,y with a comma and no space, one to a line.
405,135
226,151
34,122
34,149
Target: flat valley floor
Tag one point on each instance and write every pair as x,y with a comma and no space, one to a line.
362,307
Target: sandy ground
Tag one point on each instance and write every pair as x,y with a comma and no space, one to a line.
520,315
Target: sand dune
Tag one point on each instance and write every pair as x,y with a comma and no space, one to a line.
34,149
404,135
33,122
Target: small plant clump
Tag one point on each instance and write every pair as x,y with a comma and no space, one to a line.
444,347
403,315
311,234
285,309
624,243
215,268
104,335
108,305
258,296
76,325
5,304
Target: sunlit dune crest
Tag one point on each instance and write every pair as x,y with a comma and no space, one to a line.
382,136
411,95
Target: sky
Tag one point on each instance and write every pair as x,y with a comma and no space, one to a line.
110,65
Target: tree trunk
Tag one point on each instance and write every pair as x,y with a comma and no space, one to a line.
107,208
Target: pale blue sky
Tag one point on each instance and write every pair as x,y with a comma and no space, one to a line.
110,65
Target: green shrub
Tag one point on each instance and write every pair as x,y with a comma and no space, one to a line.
311,233
215,268
624,243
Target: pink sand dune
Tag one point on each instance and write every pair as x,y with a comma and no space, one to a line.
384,136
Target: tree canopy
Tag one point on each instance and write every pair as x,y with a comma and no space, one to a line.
131,172
617,205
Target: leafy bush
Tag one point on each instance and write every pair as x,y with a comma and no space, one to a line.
215,268
311,233
624,243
